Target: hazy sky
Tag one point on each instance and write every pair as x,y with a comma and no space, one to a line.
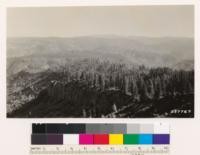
153,21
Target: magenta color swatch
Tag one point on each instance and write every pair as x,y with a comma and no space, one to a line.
85,139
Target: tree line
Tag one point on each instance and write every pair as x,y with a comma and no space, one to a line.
140,82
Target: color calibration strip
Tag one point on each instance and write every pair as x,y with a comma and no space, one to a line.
100,134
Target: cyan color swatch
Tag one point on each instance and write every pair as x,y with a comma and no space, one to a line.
145,139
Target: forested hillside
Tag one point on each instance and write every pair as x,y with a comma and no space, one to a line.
94,88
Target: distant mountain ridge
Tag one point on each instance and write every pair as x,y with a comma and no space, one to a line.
185,65
38,54
29,46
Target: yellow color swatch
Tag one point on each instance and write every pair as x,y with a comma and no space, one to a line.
115,139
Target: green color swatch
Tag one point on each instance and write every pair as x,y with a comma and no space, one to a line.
131,139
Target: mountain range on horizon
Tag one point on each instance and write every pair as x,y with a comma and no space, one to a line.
43,53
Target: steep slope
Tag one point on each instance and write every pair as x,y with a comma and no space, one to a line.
72,100
77,99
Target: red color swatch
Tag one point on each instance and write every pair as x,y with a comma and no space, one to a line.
101,139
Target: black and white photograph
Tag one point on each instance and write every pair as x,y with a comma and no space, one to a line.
100,62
